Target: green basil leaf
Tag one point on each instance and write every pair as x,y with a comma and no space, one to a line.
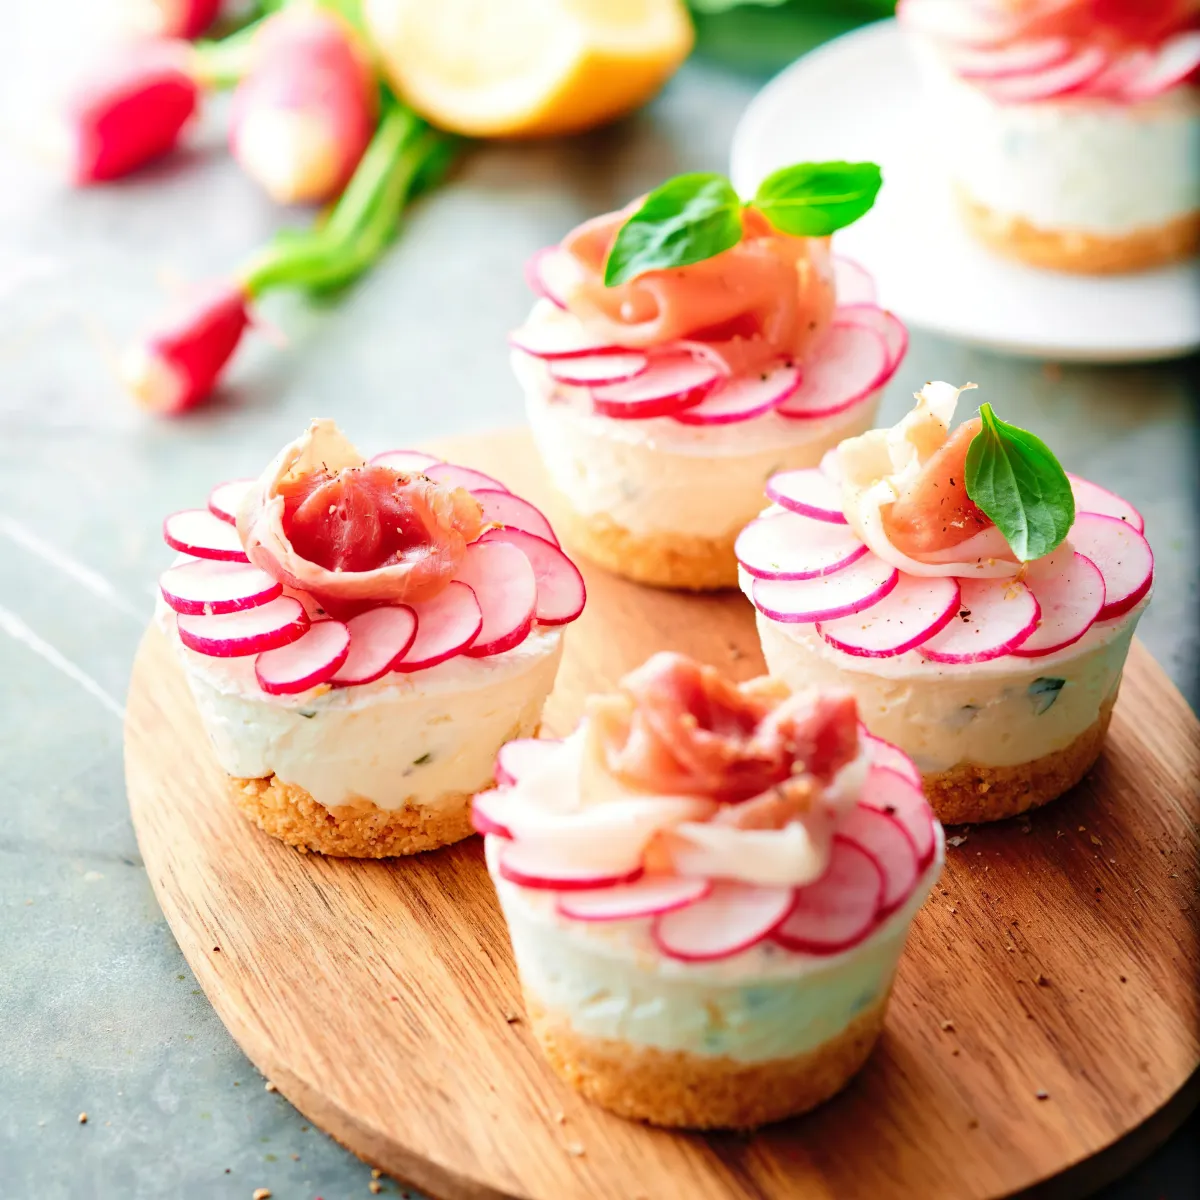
1016,480
686,220
816,199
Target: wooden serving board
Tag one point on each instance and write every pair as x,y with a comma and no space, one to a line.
1046,1005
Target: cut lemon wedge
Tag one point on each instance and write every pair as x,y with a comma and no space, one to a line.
528,68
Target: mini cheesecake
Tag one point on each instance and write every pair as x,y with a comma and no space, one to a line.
997,677
1071,135
660,406
361,638
708,889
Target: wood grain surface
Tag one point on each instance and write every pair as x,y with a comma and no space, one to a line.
1046,1005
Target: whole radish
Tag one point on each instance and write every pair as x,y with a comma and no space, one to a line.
171,18
305,111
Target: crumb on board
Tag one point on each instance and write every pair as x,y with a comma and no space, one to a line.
1042,1094
375,1187
261,1194
376,1173
560,1117
83,1118
947,1026
269,1087
575,1150
512,1018
1041,981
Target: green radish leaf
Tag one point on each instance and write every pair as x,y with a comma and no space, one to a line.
816,199
1015,478
686,220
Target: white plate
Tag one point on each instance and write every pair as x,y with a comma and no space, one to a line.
857,98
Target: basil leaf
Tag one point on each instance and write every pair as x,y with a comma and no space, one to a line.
686,220
1016,480
815,199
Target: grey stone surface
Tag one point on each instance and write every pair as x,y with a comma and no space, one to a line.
98,1011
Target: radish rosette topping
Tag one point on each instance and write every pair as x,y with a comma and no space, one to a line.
711,810
413,566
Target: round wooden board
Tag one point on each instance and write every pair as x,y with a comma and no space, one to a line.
1046,1005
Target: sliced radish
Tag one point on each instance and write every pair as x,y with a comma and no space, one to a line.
1123,556
848,365
551,273
503,581
888,843
733,917
994,617
446,626
809,492
1092,498
313,658
894,793
787,545
561,593
852,282
838,910
521,755
889,327
562,337
914,611
1069,589
486,814
1168,67
379,638
197,532
534,266
829,465
671,383
599,368
226,498
235,635
464,477
802,601
884,754
503,508
650,896
959,21
744,397
410,462
208,586
1061,79
536,865
1018,58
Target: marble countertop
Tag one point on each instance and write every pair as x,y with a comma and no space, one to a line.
100,1013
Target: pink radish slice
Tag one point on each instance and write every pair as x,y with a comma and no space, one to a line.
801,601
733,917
208,586
311,659
852,282
1019,58
534,278
520,755
914,611
1060,79
378,638
894,793
888,843
464,477
889,327
503,581
551,273
410,462
884,754
744,397
235,635
651,896
829,465
197,532
994,617
561,594
838,910
599,368
503,508
536,865
1166,68
848,365
446,626
958,21
1069,590
1092,498
1123,556
226,498
486,814
670,384
809,492
787,545
561,338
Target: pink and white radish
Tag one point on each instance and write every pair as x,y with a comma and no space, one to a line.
732,918
1069,589
538,865
671,383
235,635
171,18
810,492
551,273
487,814
1017,58
786,545
650,896
447,626
847,366
994,617
197,532
559,337
744,397
839,910
912,613
888,843
209,586
226,498
1123,556
503,508
802,601
959,21
1060,79
852,282
408,462
379,638
1092,498
884,754
505,587
312,659
892,792
521,755
1173,62
561,593
886,324
590,369
453,475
